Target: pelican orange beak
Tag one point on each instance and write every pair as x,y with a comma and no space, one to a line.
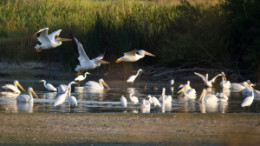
182,89
38,50
64,39
148,54
102,61
34,94
119,60
202,94
105,84
20,86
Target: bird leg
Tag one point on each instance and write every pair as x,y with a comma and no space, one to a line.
79,72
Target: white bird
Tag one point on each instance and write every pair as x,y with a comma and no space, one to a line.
96,85
133,99
224,83
154,101
146,104
14,87
81,77
48,41
238,87
132,78
188,93
27,97
172,82
61,98
123,101
48,86
72,99
207,82
165,98
132,56
208,98
84,62
248,100
62,88
222,97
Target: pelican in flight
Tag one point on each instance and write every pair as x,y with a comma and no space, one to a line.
84,62
27,97
48,86
97,85
123,101
207,97
188,92
132,56
81,77
132,78
48,41
249,99
61,98
224,83
14,87
205,78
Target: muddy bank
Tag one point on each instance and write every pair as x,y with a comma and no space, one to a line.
41,128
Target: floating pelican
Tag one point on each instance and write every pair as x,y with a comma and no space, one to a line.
181,93
222,97
207,97
48,41
84,62
96,85
238,87
27,98
164,98
123,101
188,92
224,83
131,56
81,77
49,86
132,78
146,106
61,98
133,99
13,87
248,100
207,82
153,100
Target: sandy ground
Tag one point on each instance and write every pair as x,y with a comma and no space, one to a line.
44,128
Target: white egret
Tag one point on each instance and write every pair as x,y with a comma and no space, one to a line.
188,92
154,101
132,78
133,99
132,56
207,82
48,41
81,77
248,100
224,83
27,97
123,101
48,86
96,85
84,62
14,87
208,98
72,99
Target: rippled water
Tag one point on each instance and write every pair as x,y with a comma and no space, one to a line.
109,100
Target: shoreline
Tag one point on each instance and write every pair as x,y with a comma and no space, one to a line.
111,128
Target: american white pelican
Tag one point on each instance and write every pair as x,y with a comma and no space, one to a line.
9,94
48,86
146,106
154,101
164,98
238,87
132,56
248,100
123,101
224,83
62,88
48,41
61,98
96,85
84,62
13,87
188,92
206,80
222,97
27,97
81,77
132,78
208,98
133,99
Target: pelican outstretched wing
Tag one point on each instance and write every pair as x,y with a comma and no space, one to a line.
55,34
200,75
131,53
213,79
42,35
83,58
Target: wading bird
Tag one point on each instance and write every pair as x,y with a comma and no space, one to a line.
207,82
84,62
133,98
72,99
81,77
132,56
48,41
14,87
27,97
61,98
96,85
123,101
48,86
132,78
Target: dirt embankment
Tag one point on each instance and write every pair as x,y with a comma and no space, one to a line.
43,128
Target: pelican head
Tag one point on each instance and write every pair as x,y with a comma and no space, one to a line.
31,91
143,52
16,83
63,39
182,89
203,94
101,81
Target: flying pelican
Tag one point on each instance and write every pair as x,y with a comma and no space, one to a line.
49,86
224,83
61,98
153,100
132,78
123,101
189,93
27,98
13,87
96,85
133,99
248,100
207,82
48,41
84,62
81,77
131,56
207,97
